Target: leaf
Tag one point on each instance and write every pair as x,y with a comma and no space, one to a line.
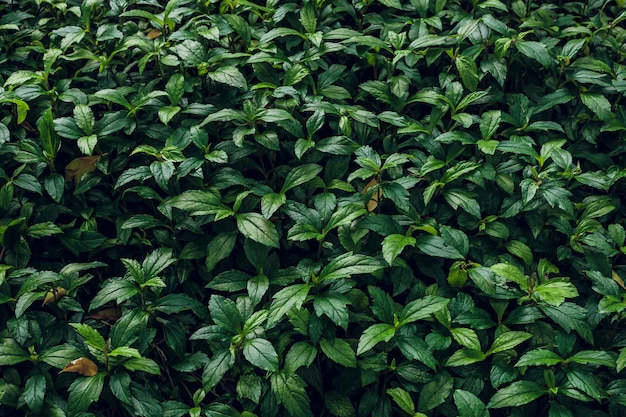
300,175
289,391
92,337
258,228
11,353
224,313
465,357
592,357
469,405
402,399
339,351
393,245
466,338
555,292
77,168
230,76
422,308
537,51
435,392
373,335
598,104
142,364
301,354
349,264
54,295
508,341
516,394
538,357
34,392
284,300
116,289
82,366
83,391
260,353
219,248
468,71
436,246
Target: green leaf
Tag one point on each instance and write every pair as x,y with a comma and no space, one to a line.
49,140
92,337
598,104
224,313
301,354
300,175
402,399
435,392
466,338
516,394
468,71
489,123
219,248
555,292
230,76
339,351
537,51
216,368
260,353
142,364
469,405
539,357
349,264
373,335
34,392
465,357
83,391
11,352
436,246
422,308
289,391
345,215
508,341
258,228
175,88
393,245
116,289
284,300
592,357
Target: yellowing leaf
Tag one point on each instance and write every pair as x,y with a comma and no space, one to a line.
153,34
82,366
54,295
75,170
376,196
107,314
618,279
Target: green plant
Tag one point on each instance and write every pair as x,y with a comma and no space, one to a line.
318,208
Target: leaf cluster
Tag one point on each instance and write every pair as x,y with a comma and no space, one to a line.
315,208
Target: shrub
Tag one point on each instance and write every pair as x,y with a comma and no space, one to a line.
312,208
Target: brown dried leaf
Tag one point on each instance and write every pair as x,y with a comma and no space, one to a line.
618,279
75,170
376,196
153,34
54,295
81,366
107,314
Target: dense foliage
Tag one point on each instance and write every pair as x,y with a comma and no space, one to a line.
312,208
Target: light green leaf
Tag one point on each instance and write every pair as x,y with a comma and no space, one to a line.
422,308
300,175
258,228
402,399
348,264
508,341
373,335
466,338
260,353
393,245
516,394
92,337
539,357
284,300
